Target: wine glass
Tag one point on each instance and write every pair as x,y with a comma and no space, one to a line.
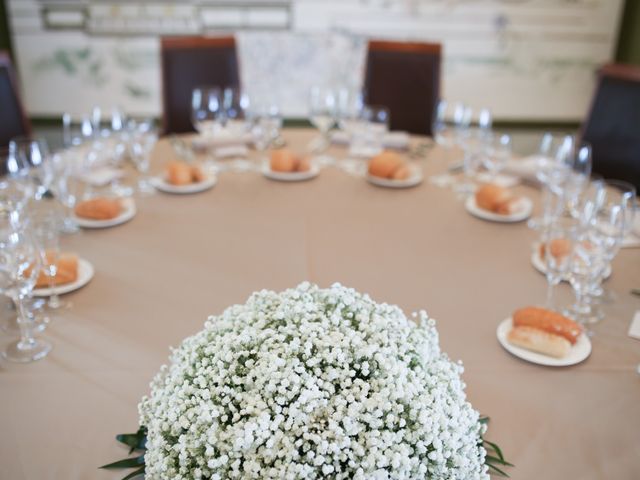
19,269
348,112
558,243
16,187
48,241
322,112
235,103
206,110
143,140
497,155
34,155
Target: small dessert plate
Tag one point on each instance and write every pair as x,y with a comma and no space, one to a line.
522,211
128,212
161,184
578,353
415,179
85,274
313,172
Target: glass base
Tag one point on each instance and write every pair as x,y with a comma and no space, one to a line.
26,352
145,189
58,304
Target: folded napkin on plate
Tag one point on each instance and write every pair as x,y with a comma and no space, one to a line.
396,140
232,151
223,139
101,177
505,181
523,168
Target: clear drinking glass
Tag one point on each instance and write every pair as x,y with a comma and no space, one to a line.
141,144
34,153
19,269
48,241
322,113
497,155
235,104
558,241
206,110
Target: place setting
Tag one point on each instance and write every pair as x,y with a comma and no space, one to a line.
182,178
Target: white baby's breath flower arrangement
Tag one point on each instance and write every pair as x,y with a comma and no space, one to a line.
311,383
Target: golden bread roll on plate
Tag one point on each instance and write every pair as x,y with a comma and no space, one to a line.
179,173
99,208
547,321
539,341
385,165
495,198
283,160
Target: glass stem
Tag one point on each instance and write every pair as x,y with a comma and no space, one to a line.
550,296
26,338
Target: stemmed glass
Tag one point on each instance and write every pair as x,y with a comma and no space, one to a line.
322,112
34,154
448,125
497,154
206,110
19,269
235,103
551,172
558,243
48,241
142,143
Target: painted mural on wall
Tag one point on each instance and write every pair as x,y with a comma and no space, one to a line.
526,59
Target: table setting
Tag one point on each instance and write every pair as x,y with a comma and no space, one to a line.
274,272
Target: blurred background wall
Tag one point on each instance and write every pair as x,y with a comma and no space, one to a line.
530,61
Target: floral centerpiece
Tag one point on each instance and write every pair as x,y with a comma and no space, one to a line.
311,383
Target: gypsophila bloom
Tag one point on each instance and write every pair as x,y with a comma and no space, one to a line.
310,384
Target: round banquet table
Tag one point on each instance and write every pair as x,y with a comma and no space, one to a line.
183,258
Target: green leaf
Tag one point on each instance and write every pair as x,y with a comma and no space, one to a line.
126,463
495,460
496,448
497,470
484,420
134,473
136,441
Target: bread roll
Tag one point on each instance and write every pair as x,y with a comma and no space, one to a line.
197,175
385,164
283,160
304,165
67,271
402,173
179,173
547,321
99,209
539,341
496,199
559,247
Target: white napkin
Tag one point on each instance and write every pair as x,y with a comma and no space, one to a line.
223,139
523,168
504,181
397,140
231,151
101,177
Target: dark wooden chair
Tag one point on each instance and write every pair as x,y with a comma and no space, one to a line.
189,62
13,119
405,78
612,126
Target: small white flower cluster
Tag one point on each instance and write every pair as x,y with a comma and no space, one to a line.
307,384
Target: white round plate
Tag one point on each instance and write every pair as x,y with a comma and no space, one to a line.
414,179
523,210
161,184
85,274
290,176
538,263
578,353
128,212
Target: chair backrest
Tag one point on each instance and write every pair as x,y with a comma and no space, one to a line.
189,62
405,78
613,124
13,119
